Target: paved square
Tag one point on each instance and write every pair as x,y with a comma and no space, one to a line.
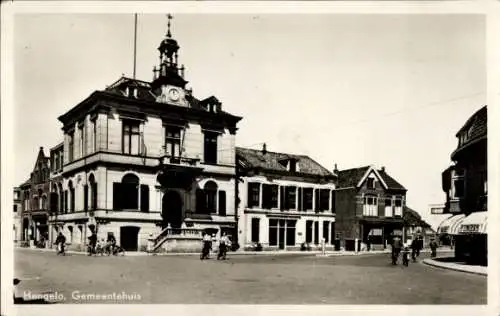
247,279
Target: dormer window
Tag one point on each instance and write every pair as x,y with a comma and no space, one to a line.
127,91
292,165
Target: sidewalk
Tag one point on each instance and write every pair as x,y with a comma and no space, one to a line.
481,270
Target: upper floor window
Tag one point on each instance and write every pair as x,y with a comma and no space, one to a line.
292,165
370,183
173,141
308,198
269,196
370,206
94,135
253,194
210,152
131,137
291,198
398,206
388,207
458,184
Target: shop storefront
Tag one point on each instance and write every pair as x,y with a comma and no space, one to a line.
448,230
471,241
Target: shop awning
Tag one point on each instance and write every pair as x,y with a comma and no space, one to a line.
450,225
475,223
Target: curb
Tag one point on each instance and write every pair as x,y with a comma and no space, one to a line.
437,264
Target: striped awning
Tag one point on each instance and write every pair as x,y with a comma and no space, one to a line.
475,223
450,225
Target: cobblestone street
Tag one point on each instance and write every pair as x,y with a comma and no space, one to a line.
246,279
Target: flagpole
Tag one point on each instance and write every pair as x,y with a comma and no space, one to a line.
135,42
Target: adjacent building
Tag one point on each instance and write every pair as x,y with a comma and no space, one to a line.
465,185
286,201
416,228
146,161
369,206
35,194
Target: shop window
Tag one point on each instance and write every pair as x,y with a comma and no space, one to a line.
316,233
273,232
290,232
326,227
309,229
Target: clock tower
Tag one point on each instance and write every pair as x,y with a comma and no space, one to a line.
168,81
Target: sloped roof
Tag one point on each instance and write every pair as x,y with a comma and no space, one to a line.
411,217
253,158
351,177
477,122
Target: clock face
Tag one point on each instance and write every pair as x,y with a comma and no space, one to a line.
173,94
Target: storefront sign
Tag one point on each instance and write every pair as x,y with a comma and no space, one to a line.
470,228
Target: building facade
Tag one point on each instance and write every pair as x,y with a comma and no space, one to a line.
145,161
369,205
286,201
35,193
465,185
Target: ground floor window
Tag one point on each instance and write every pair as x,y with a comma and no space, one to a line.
309,228
332,233
282,232
255,229
316,233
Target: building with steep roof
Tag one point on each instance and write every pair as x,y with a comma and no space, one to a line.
465,184
146,161
369,206
284,200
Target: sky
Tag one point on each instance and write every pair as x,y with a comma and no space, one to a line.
345,89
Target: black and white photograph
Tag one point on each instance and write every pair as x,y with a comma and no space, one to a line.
255,158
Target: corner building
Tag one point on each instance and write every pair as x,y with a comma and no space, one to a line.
146,160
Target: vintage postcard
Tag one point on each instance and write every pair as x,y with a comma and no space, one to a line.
247,158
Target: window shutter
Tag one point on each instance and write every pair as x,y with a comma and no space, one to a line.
333,201
144,198
86,197
222,203
117,202
201,202
316,200
300,192
282,198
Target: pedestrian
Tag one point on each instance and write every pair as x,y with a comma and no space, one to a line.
396,249
92,243
206,244
405,255
60,243
223,244
414,247
433,246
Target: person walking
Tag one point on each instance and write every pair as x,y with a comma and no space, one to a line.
206,245
433,245
223,244
414,249
60,243
396,249
92,243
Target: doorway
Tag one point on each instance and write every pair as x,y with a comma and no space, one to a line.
129,238
171,209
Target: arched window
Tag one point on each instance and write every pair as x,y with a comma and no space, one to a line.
211,196
126,193
61,197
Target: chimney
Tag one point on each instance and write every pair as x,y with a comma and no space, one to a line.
382,168
335,170
264,149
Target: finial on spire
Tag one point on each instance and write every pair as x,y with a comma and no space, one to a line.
169,17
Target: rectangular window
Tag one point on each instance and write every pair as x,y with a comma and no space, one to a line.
253,194
308,199
291,195
290,232
62,160
316,200
388,207
222,203
131,137
172,141
292,165
273,232
269,196
255,229
283,200
370,183
82,141
459,185
15,208
210,146
326,228
71,144
332,233
370,206
398,206
333,202
324,200
309,229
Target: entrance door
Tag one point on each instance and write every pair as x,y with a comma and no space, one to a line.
129,237
171,209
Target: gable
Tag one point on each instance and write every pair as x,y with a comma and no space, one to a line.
372,173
